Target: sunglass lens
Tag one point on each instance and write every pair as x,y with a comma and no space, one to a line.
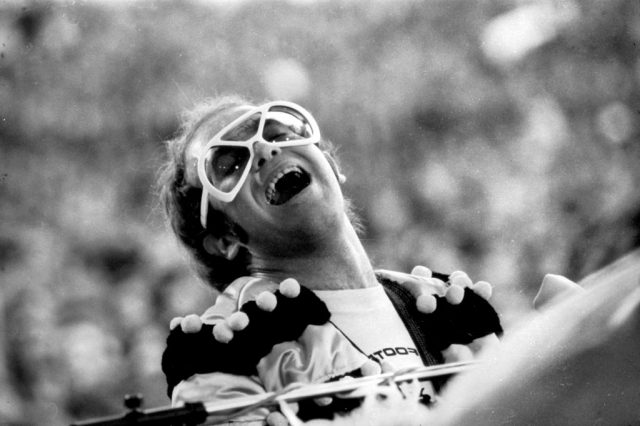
244,130
285,124
224,166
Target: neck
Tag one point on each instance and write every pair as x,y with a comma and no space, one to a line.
334,264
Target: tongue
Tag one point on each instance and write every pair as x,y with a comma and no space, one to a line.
288,186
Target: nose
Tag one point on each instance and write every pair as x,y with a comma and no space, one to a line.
264,151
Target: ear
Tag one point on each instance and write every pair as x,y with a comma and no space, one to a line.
227,246
334,166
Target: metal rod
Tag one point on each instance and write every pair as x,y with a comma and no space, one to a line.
197,413
316,390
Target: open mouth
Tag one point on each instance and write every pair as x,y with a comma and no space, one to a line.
289,182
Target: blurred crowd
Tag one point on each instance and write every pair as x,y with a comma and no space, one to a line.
498,137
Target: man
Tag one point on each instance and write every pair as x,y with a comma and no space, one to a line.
254,193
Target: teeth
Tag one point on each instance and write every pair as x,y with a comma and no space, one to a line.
271,188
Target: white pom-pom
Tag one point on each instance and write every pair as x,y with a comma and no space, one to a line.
266,301
222,332
483,289
454,295
290,288
175,322
457,353
276,418
370,368
426,303
461,280
323,401
421,271
295,407
238,321
191,323
438,283
456,273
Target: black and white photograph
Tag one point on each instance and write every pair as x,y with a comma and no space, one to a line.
322,212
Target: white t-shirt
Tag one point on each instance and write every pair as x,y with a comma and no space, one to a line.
367,317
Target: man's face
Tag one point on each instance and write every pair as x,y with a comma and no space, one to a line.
290,198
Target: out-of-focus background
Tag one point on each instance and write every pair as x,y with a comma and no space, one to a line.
497,137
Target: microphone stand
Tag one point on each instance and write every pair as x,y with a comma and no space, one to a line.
195,413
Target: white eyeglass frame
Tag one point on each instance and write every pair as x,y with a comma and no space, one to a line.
216,140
